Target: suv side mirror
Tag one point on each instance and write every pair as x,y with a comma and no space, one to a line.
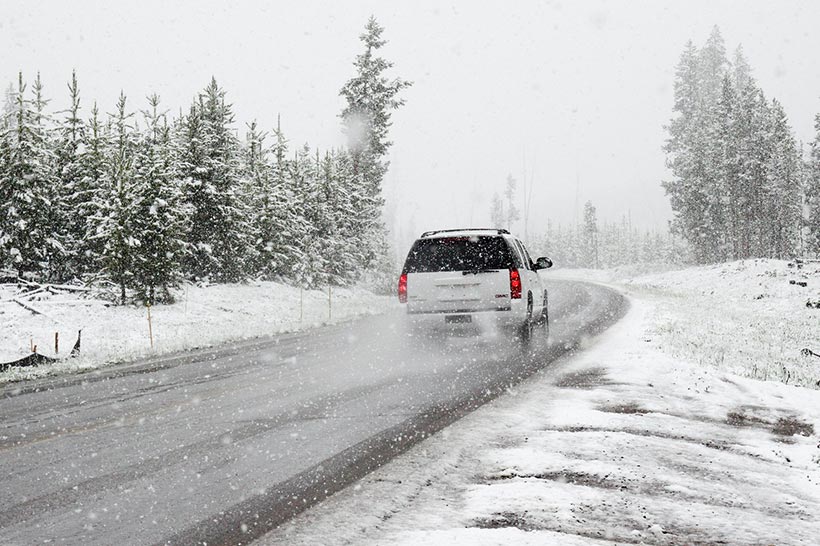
543,263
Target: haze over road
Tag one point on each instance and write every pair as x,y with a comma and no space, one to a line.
223,445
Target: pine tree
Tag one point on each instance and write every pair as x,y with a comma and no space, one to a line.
712,66
256,174
727,161
685,157
26,186
93,164
753,130
160,219
736,169
371,97
75,192
115,202
784,187
301,177
349,250
286,223
210,165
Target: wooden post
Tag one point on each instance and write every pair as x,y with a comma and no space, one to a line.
31,343
150,326
301,303
329,303
56,342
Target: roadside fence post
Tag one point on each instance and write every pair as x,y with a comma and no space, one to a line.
329,304
150,326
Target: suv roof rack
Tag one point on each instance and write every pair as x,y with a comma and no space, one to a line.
497,230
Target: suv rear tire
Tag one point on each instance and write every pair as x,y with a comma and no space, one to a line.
525,331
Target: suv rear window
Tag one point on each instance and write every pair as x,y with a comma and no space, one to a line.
458,254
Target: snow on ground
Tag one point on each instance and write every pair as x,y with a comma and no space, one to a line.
747,317
625,443
202,316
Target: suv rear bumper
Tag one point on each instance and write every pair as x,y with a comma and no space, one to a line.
465,322
457,311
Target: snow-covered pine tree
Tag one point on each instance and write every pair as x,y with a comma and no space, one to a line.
198,195
783,187
332,247
55,248
27,183
687,134
210,166
753,131
286,223
311,271
723,153
371,97
349,250
813,192
256,175
727,162
713,66
93,159
274,221
160,218
75,188
115,202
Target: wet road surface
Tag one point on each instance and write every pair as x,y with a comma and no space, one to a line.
220,446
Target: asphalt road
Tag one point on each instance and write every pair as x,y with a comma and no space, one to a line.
220,446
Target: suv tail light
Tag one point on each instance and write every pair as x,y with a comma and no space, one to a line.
515,285
403,288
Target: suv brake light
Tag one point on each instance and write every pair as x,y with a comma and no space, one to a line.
515,285
403,288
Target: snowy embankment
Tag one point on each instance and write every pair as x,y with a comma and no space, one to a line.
202,316
754,318
645,437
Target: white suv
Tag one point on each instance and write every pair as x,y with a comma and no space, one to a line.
474,279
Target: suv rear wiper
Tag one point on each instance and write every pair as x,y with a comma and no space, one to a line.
477,271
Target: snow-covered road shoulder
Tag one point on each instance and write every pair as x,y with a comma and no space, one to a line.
623,443
203,316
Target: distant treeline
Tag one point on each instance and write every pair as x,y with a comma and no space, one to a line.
740,187
147,200
610,244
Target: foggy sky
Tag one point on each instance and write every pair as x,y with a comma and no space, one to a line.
570,97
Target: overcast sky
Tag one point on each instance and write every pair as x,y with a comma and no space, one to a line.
570,96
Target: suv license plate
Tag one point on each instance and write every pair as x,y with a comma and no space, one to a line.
458,319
